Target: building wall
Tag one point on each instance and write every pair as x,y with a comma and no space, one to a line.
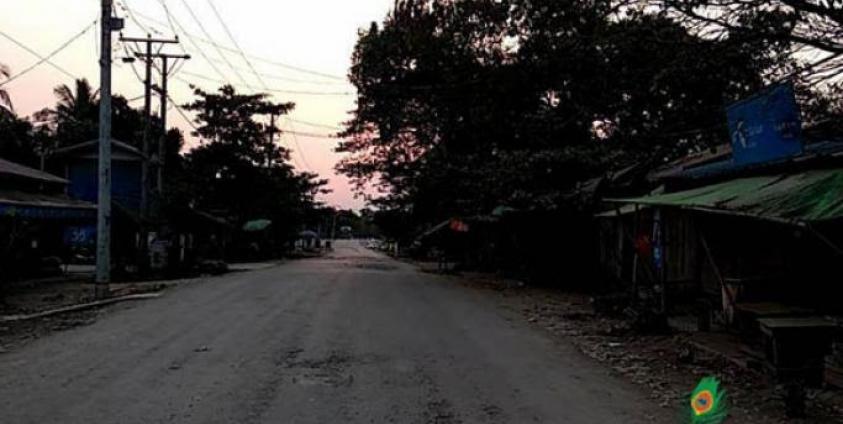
126,182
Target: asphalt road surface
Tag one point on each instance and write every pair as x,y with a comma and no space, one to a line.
352,338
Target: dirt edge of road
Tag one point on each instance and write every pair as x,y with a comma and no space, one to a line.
63,306
666,367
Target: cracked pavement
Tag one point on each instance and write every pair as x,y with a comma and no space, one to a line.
354,337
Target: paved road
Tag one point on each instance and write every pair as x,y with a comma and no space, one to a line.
354,338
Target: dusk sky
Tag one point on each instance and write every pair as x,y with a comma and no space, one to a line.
312,35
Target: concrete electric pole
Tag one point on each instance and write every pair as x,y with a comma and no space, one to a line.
103,276
164,92
147,57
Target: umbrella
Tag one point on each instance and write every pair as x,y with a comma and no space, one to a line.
308,235
256,225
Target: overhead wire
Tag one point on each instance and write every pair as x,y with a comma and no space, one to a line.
298,147
317,125
252,69
175,23
47,58
263,84
307,134
234,42
252,56
124,4
269,89
43,59
207,34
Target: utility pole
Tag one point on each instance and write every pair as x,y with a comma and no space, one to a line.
147,114
272,128
162,144
163,91
147,58
103,276
272,131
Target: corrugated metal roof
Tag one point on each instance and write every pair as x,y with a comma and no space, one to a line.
93,143
40,200
18,170
809,196
729,167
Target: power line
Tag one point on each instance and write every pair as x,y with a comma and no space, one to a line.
173,23
272,90
124,4
255,72
267,75
316,124
234,41
299,149
252,56
294,134
34,53
205,31
184,115
308,134
47,58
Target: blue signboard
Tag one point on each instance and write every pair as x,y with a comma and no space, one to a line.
81,236
766,127
35,212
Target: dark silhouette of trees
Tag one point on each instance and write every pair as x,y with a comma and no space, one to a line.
814,23
238,172
468,105
5,100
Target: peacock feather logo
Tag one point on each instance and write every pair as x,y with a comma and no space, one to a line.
708,402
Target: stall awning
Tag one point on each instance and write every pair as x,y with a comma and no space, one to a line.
256,225
810,196
16,204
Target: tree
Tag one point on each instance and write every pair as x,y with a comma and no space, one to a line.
76,114
16,134
814,23
468,105
75,117
5,100
429,82
238,171
16,140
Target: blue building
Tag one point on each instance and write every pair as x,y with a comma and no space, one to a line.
39,221
79,165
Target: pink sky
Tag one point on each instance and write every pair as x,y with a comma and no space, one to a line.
316,35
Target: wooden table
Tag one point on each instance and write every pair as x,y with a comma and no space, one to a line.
748,314
771,309
795,347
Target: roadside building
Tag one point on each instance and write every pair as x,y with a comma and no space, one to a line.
79,165
40,226
744,241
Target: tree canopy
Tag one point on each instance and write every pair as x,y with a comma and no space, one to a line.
468,105
240,171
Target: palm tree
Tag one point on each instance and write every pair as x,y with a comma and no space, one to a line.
75,114
5,100
77,103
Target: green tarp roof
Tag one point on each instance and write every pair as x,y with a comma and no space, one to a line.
810,196
256,225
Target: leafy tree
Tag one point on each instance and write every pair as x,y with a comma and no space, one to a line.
75,117
76,114
16,140
467,105
238,171
5,100
814,23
